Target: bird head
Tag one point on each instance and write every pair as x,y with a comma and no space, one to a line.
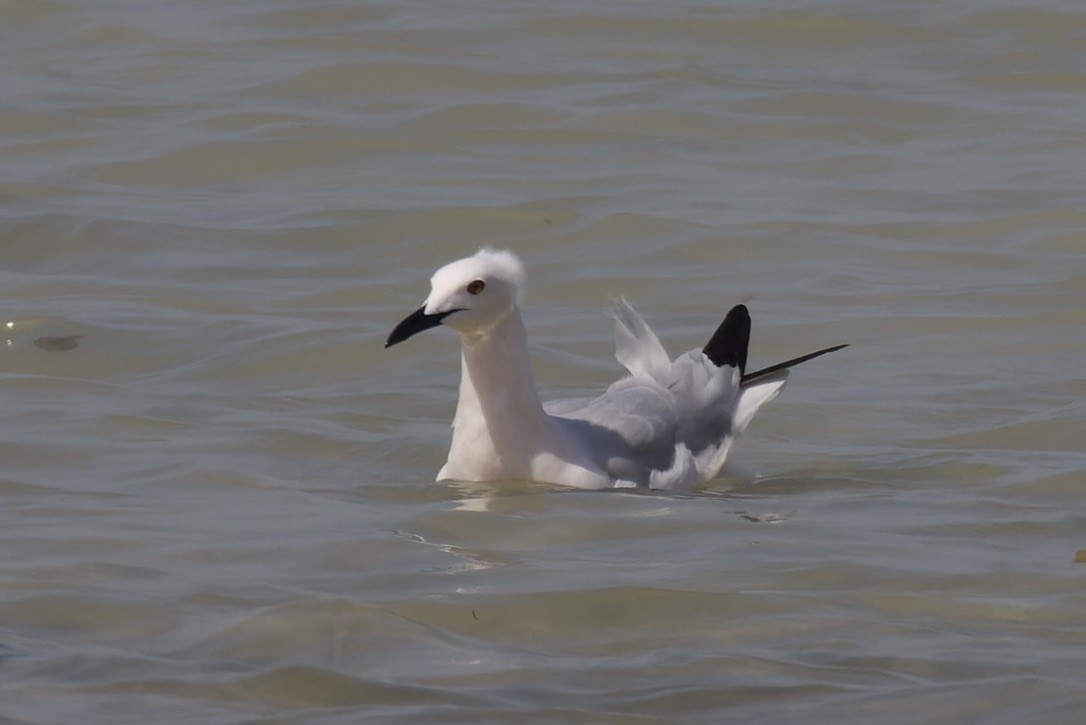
469,295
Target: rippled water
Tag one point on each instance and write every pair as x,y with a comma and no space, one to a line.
216,494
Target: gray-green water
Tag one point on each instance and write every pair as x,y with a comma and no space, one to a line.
219,506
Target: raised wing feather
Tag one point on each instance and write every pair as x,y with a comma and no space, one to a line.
636,346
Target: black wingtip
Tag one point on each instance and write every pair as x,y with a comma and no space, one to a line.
766,372
728,345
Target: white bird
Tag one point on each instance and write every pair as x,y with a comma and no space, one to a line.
668,424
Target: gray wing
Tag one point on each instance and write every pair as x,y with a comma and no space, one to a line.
670,423
630,430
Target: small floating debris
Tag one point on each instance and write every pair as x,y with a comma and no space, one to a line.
765,518
1080,556
57,343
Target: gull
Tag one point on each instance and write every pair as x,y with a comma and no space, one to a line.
667,424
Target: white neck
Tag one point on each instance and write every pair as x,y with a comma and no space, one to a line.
499,416
501,430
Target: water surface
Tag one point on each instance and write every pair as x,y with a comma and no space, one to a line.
218,505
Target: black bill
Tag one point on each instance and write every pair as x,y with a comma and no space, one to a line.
415,323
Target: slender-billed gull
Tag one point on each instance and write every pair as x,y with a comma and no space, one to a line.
668,424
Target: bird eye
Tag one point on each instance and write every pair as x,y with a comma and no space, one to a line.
476,287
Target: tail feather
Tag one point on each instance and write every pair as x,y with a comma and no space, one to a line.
728,346
750,378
